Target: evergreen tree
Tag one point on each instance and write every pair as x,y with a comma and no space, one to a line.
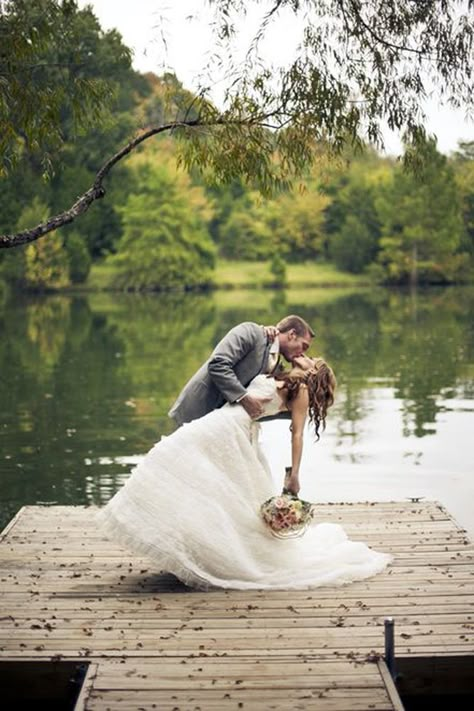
165,243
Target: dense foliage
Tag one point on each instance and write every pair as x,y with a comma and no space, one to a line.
160,229
165,242
365,214
60,74
62,63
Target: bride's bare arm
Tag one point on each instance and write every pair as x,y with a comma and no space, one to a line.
299,411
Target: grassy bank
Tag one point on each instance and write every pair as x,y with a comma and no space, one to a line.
230,274
251,275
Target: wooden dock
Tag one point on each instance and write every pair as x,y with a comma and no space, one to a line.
150,643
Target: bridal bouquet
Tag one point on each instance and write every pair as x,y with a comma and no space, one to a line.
286,515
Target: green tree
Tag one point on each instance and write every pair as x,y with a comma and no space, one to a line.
165,243
353,247
78,257
40,265
48,69
92,57
421,223
246,233
356,65
290,224
351,219
296,221
100,228
464,173
225,199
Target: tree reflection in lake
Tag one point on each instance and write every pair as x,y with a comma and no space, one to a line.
86,381
418,344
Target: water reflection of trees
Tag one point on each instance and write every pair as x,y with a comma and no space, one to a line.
416,345
56,374
88,378
164,338
420,345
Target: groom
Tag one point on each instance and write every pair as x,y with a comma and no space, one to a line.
245,351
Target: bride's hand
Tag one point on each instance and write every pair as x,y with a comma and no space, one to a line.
271,332
293,485
254,406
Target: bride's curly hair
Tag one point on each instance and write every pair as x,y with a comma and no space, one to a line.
321,383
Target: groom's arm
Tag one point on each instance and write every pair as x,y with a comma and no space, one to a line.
241,341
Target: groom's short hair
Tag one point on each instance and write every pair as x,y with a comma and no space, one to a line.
297,323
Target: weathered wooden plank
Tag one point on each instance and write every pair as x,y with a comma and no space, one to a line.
11,564
421,620
235,646
223,666
197,681
381,521
42,652
7,531
85,582
86,688
322,701
390,687
38,523
89,629
379,590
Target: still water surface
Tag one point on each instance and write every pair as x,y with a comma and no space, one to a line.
86,382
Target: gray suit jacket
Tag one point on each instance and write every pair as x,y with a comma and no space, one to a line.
236,360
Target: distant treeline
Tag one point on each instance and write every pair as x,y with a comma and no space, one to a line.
162,227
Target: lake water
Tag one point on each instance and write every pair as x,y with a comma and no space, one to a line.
86,383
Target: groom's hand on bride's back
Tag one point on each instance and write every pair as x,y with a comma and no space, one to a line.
254,405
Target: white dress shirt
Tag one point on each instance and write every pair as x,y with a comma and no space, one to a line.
274,356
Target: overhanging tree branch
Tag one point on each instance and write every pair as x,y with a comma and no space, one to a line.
97,190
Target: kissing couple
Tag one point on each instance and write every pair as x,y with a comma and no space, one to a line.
192,504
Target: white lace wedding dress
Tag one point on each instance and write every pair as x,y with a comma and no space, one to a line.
192,507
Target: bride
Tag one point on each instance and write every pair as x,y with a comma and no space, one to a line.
192,504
